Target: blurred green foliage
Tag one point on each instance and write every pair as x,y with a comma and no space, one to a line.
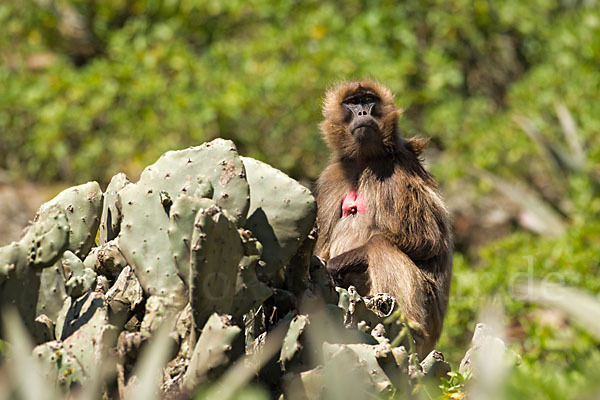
557,358
90,88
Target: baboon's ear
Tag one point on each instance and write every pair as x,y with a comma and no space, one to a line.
417,145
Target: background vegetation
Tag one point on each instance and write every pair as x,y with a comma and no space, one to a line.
508,92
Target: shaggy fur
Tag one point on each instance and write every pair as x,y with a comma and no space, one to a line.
402,244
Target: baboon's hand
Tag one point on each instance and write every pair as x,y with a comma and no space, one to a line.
347,264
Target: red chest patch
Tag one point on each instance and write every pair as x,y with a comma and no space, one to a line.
353,203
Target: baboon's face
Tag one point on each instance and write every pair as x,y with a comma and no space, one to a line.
361,115
360,119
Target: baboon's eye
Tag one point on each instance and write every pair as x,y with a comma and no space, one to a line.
352,100
361,98
369,98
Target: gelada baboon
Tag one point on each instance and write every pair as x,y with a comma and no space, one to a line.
383,226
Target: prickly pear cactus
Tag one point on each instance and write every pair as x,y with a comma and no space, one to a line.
82,206
218,249
52,291
250,292
211,351
187,170
67,222
154,238
85,340
181,227
144,241
110,224
282,213
41,245
79,279
291,343
216,253
47,238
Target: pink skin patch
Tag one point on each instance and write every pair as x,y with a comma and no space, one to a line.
353,203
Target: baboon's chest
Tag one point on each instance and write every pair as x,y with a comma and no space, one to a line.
353,228
353,203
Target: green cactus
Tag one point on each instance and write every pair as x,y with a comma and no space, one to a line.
58,365
41,245
158,311
291,343
67,222
361,360
297,275
86,339
53,292
22,262
79,278
82,206
144,242
110,223
61,317
369,311
188,170
216,253
282,213
144,237
124,295
44,241
106,260
321,284
212,350
208,242
434,366
13,256
181,226
357,376
249,291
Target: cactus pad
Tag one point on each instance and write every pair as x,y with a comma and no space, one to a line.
211,351
217,161
282,213
82,206
216,252
144,242
110,223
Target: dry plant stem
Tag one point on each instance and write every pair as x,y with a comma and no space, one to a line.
400,318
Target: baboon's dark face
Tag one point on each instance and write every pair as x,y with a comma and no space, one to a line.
360,120
361,115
